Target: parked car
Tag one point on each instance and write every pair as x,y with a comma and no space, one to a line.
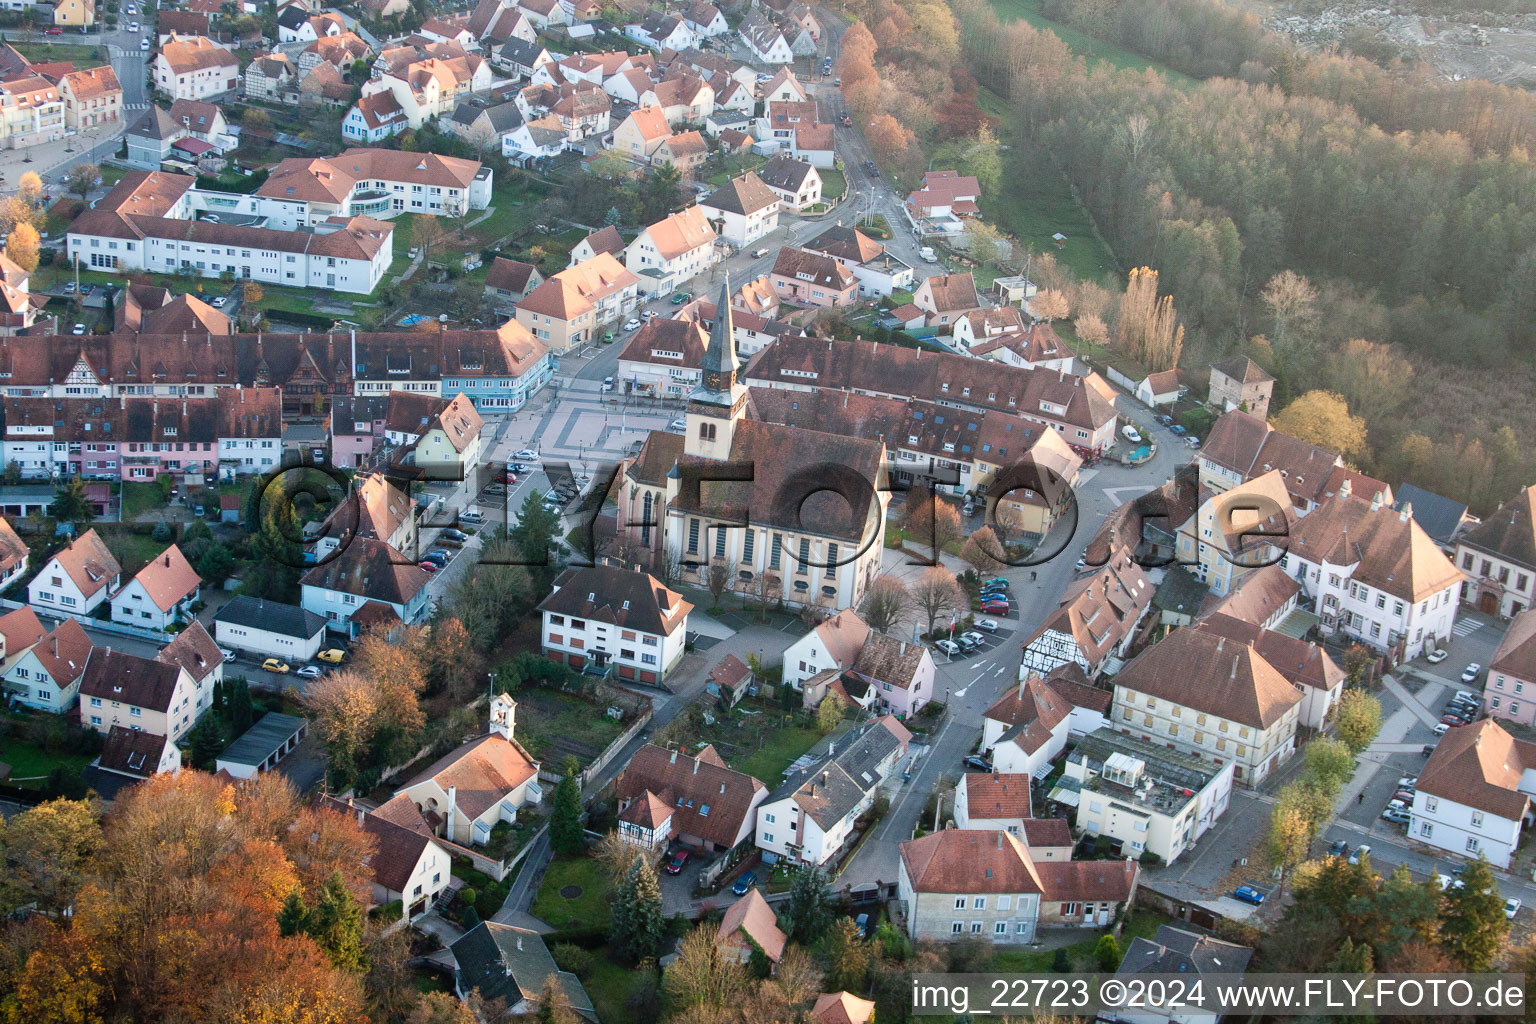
675,865
1429,748
1178,429
1248,894
1407,781
758,254
973,638
964,644
1474,699
632,325
1511,907
678,425
607,383
680,298
948,647
649,314
1450,719
332,655
439,557
1436,656
229,655
1443,881
995,607
277,665
1338,848
1081,563
1439,729
1192,442
1397,815
1361,852
426,566
980,764
78,329
1404,795
529,454
1001,581
744,884
1470,672
53,30
1131,434
987,625
309,672
219,300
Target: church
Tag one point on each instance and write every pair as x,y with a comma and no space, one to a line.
793,515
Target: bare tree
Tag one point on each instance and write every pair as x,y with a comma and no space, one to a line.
984,551
718,578
1292,302
1049,304
886,604
936,592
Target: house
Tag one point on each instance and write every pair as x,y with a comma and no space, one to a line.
842,1008
441,437
1512,669
1474,793
1373,574
898,672
79,14
1176,951
14,555
705,19
565,311
139,693
943,202
45,669
194,651
161,595
764,40
986,884
833,645
717,430
663,32
994,800
729,680
1205,695
671,252
374,118
1241,447
1095,622
809,819
543,13
1305,665
1152,800
749,925
540,139
20,629
31,109
814,144
433,87
604,616
487,127
408,866
366,582
742,210
357,429
269,629
603,240
1236,532
91,98
797,183
784,87
520,57
946,298
665,795
1159,389
499,21
511,965
375,509
137,754
151,137
878,272
1026,729
805,278
1499,558
196,69
259,749
640,134
445,30
508,281
464,794
687,151
1242,384
980,326
77,579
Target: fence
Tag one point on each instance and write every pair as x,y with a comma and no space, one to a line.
104,625
1116,377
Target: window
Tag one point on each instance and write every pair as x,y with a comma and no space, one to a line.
769,818
979,903
767,837
1069,910
959,902
1514,707
693,536
1431,804
955,927
1426,829
975,927
1471,844
1477,819
1002,901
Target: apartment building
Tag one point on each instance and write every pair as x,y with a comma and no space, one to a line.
195,68
604,616
566,311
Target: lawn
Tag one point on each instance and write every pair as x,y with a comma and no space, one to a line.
609,985
133,551
555,724
29,761
833,182
139,498
1142,923
587,907
50,53
779,749
1096,50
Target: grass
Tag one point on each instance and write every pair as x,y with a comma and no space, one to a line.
30,761
1143,923
589,910
833,182
139,498
780,748
609,986
1095,50
48,53
552,716
133,551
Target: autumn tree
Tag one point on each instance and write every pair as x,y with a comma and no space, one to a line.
615,855
455,667
553,1005
885,604
344,706
984,551
931,521
441,1008
1357,720
1296,819
1330,763
1323,418
1091,328
1291,301
935,593
1048,305
29,189
23,246
46,851
1148,329
80,179
702,975
428,234
889,140
829,713
1375,379
984,160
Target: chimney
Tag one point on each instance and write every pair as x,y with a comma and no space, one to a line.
1346,488
1220,641
1375,501
1405,513
674,758
1234,666
824,777
519,942
453,806
999,840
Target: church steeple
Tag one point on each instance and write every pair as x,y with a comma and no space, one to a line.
719,401
720,365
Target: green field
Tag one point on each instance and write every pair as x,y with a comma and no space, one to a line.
833,182
29,761
587,910
50,53
780,748
1096,50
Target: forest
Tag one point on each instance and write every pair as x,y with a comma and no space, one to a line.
1360,231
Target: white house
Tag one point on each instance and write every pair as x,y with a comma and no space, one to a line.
408,865
811,818
1373,573
763,38
1152,799
1026,729
993,800
705,19
672,251
269,629
46,674
833,645
77,579
1176,951
742,210
603,615
1474,793
195,68
14,555
367,583
162,593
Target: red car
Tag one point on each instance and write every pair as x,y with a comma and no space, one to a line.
53,31
675,865
510,477
995,607
428,566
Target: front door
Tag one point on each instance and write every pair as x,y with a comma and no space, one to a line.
1488,603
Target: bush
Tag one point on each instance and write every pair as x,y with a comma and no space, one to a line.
469,918
1061,963
161,532
593,937
571,957
468,895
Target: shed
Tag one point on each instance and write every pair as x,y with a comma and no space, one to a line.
729,680
229,508
263,745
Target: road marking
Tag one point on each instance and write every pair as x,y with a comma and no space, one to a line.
1466,626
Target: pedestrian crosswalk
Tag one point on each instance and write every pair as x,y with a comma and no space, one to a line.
135,106
1466,626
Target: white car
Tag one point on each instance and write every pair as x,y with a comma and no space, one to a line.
1361,852
678,425
143,44
1440,729
988,625
947,647
1511,907
1131,434
649,314
633,325
607,383
526,455
1408,782
78,329
218,300
133,26
1470,672
229,655
309,672
1436,656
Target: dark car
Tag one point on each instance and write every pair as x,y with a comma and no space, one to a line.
450,542
996,607
1338,848
439,557
981,764
458,535
1429,748
744,884
1453,720
675,865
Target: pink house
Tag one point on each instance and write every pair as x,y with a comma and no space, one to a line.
1510,692
357,429
804,278
898,672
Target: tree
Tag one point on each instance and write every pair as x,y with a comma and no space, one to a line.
1049,304
12,475
464,300
80,179
206,743
638,925
242,713
1329,764
613,218
216,564
829,713
718,578
984,551
24,246
885,604
848,957
1107,953
932,521
565,831
344,707
428,234
47,850
1091,329
554,1006
935,592
1357,720
454,665
661,193
615,855
1291,301
1298,816
702,975
984,160
71,505
336,924
1148,329
1322,418
29,189
1472,923
810,904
